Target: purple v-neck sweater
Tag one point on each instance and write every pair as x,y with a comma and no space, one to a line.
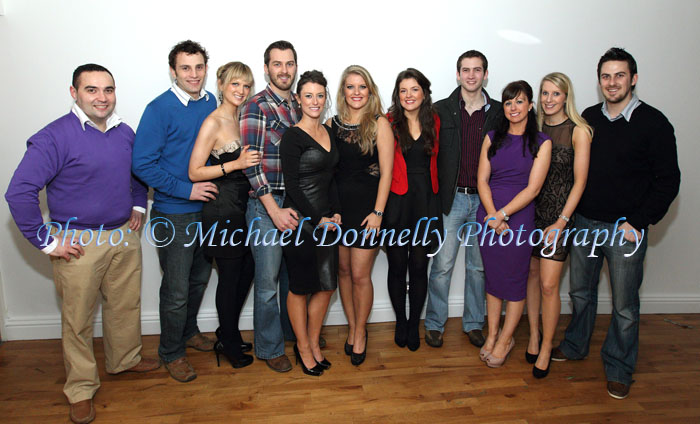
87,175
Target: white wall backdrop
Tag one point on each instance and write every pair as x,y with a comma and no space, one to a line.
41,42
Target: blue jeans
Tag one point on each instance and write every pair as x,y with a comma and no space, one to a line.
270,319
186,273
463,210
621,345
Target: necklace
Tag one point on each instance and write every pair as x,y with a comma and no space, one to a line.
343,125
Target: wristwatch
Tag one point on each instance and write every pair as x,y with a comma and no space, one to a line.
505,215
378,213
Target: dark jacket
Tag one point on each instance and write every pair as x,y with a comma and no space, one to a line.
450,143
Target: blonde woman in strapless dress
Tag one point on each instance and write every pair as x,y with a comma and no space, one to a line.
218,142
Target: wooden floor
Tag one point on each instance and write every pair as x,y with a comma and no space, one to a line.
444,385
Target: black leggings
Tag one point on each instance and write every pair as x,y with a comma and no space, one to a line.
235,278
415,259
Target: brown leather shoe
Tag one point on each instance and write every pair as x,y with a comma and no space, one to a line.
181,370
145,365
433,338
618,390
279,364
476,337
200,342
82,412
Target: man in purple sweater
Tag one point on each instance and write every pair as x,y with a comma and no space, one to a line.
96,206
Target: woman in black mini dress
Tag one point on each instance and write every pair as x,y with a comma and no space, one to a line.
413,202
219,142
554,208
366,152
309,156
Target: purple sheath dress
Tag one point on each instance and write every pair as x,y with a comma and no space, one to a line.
506,264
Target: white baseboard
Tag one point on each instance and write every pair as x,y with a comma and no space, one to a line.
49,327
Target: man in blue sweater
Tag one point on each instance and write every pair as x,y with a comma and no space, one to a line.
84,161
633,178
162,148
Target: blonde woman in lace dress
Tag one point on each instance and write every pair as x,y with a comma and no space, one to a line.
218,142
554,207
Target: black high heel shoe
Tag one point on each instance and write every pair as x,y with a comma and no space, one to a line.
413,338
401,333
316,371
348,348
538,373
245,346
325,364
530,358
358,358
236,361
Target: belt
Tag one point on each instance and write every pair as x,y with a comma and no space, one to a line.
467,190
280,192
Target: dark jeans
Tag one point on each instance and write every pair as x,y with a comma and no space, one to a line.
621,345
186,273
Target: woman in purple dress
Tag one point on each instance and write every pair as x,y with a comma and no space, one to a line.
512,168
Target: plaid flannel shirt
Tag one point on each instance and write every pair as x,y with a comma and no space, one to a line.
264,119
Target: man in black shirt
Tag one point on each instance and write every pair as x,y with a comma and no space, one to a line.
632,180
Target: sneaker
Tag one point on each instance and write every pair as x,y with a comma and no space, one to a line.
558,355
181,370
433,338
200,342
618,390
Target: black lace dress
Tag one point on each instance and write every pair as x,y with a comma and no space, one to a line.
357,178
556,188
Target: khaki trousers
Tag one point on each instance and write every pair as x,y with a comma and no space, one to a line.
115,272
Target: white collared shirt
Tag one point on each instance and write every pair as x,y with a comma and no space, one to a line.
184,97
626,112
112,121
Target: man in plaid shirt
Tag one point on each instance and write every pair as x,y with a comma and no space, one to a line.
264,119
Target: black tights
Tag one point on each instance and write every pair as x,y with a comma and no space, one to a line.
235,278
415,259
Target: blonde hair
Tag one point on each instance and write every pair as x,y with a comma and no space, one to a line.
564,84
367,132
232,70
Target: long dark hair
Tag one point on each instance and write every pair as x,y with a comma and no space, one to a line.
426,119
513,90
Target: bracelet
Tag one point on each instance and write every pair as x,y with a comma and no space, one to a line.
564,217
223,170
505,215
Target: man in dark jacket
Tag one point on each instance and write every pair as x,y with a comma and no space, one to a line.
466,116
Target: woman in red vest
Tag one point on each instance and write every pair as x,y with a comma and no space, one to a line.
413,203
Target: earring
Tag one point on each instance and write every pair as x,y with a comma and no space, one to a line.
221,97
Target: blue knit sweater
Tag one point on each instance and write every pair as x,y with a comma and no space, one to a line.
162,148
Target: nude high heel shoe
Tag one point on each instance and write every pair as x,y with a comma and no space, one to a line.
494,362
